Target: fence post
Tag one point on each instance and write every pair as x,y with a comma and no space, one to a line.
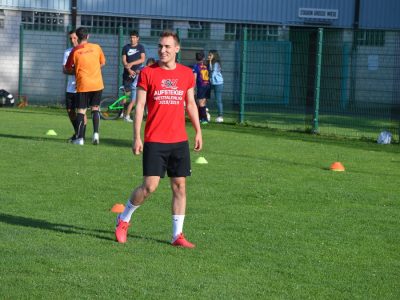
179,55
344,85
21,60
318,80
120,66
243,74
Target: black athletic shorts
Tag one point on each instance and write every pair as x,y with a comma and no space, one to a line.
88,99
71,100
173,158
203,92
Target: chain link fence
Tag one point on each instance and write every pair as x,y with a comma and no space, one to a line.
327,81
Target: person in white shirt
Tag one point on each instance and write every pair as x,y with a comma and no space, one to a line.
217,81
70,94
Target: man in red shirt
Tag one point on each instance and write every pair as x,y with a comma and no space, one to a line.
167,88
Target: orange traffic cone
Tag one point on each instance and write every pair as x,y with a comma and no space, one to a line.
118,208
337,167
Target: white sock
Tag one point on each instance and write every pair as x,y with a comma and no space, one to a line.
177,226
127,214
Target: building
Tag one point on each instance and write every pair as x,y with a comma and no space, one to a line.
361,39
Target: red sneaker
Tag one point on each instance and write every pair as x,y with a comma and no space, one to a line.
121,231
182,242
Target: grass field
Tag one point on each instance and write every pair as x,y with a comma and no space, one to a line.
269,219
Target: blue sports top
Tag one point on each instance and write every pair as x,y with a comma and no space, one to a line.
203,78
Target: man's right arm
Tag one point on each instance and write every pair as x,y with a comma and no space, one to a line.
137,146
66,54
124,62
69,65
127,66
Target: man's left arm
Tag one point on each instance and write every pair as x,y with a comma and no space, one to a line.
137,145
102,58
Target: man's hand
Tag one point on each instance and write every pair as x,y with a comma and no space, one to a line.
131,73
198,142
137,147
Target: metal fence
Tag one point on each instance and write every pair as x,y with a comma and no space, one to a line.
333,82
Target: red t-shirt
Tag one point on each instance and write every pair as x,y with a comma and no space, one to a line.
166,97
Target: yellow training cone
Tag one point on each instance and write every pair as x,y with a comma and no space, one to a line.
51,132
201,160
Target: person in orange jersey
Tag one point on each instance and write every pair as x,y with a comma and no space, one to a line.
85,61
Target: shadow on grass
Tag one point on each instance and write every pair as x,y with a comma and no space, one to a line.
66,228
140,237
346,142
58,227
124,143
36,110
33,138
273,161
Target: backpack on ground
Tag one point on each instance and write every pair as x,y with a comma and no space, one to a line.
6,98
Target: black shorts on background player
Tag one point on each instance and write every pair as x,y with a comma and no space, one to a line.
71,100
88,99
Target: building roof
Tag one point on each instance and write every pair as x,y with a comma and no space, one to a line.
333,13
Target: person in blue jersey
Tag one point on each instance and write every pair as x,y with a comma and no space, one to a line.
203,86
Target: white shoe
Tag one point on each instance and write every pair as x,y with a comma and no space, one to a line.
219,119
78,141
96,139
208,115
128,119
